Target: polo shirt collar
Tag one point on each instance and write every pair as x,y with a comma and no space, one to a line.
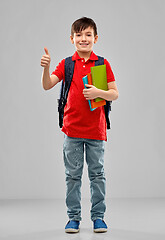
93,56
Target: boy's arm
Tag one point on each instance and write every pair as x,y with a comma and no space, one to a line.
47,81
92,92
112,93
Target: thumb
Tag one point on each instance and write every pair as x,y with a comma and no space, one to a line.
46,50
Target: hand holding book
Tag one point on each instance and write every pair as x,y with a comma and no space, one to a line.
96,80
91,92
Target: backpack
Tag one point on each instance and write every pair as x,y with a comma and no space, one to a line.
65,85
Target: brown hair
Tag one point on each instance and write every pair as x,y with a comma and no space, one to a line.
83,23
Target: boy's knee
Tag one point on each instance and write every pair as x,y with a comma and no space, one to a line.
73,177
97,176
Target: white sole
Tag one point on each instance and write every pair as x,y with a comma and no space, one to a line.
100,230
71,230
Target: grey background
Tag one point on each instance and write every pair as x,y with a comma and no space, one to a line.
131,37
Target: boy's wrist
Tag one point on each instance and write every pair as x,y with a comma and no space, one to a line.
46,69
99,93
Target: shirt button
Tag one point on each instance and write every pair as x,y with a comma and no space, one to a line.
83,65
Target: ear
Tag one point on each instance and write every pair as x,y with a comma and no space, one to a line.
96,38
71,39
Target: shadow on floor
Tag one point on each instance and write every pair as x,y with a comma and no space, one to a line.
85,234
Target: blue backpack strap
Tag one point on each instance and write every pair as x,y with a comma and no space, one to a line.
65,85
100,61
69,70
107,107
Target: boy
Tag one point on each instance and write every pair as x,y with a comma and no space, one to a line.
83,129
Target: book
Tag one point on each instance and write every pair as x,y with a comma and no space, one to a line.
85,81
93,103
99,78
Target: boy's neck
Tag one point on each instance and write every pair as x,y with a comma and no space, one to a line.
85,55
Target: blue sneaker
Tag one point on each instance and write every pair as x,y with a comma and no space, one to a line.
99,226
72,226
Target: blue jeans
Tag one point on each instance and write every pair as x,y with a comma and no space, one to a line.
73,150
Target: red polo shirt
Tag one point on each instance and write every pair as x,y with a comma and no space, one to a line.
79,121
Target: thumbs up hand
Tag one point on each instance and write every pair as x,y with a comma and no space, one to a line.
45,60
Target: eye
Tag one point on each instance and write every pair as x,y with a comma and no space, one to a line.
78,34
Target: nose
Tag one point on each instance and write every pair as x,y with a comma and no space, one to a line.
83,37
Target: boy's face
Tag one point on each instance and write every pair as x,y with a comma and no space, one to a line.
84,40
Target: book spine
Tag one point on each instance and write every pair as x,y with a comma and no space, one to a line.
85,81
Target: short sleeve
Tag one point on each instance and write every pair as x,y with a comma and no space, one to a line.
110,75
60,70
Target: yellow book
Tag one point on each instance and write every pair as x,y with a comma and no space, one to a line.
99,78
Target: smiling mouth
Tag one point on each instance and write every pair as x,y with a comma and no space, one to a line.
84,44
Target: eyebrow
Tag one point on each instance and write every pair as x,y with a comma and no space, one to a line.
86,32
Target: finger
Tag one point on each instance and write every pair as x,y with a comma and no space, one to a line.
88,85
44,64
86,90
86,96
44,61
46,56
46,51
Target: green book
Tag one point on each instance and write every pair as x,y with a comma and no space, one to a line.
99,78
